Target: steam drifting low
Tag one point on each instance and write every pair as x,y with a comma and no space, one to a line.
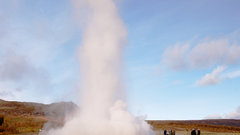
103,111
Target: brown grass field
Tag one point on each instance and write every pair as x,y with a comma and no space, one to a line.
22,118
207,127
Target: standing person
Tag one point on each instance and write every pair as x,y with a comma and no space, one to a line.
165,132
1,120
198,131
173,132
193,132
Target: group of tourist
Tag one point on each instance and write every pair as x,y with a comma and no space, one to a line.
195,132
170,132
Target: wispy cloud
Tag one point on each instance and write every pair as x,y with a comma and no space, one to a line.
214,116
231,115
15,68
212,78
217,75
231,75
175,56
17,73
203,54
234,114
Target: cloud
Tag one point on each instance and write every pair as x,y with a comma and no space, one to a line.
15,68
175,56
18,74
32,45
233,74
203,54
217,75
232,115
208,53
214,116
4,93
8,92
211,78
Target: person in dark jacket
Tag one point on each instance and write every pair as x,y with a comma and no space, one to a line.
1,120
165,132
193,132
198,131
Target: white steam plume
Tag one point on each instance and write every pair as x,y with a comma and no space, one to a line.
102,110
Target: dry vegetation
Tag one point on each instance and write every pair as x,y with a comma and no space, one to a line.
22,124
20,118
28,118
208,127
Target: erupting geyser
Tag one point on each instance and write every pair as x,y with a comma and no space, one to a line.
103,112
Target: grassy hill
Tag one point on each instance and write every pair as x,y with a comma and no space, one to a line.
26,117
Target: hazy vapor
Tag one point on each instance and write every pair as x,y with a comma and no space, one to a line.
103,111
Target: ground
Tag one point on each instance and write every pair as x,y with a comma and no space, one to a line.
23,118
207,127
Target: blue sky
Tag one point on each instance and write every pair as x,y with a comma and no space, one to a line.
182,60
